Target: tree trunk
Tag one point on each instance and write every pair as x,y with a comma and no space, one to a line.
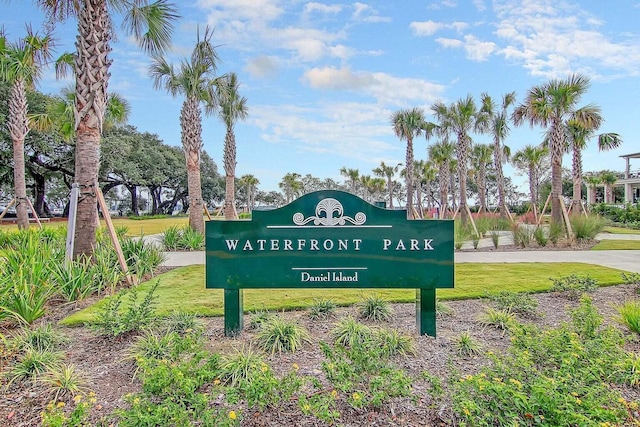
38,194
18,129
577,181
409,177
557,138
230,172
92,78
390,187
532,187
443,178
462,152
191,127
482,189
497,163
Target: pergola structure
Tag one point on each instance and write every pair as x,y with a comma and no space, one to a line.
631,182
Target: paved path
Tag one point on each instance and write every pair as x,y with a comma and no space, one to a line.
623,260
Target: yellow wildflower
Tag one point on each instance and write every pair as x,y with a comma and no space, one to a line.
216,381
466,412
77,398
306,407
578,401
295,366
232,415
334,394
60,405
356,396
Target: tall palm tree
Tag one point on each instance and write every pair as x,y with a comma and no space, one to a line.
497,125
291,185
592,182
460,118
579,134
480,158
552,105
250,183
196,81
408,124
353,177
531,158
233,107
151,24
608,178
441,154
21,66
388,172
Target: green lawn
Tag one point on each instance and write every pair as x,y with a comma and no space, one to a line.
610,245
620,230
183,288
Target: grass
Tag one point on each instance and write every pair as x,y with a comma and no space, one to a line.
620,230
183,289
617,245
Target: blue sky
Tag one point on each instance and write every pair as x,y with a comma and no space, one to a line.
323,78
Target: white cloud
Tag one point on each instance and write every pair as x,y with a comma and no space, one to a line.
262,66
364,12
444,42
383,87
478,50
322,8
428,28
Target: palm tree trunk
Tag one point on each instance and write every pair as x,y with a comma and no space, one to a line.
577,181
230,172
482,189
497,163
443,178
409,176
92,78
390,187
18,129
533,187
462,153
557,139
191,127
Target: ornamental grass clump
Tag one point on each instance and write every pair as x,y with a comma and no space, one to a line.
349,332
278,335
515,302
629,315
42,338
322,308
573,286
466,345
499,319
64,380
586,227
375,308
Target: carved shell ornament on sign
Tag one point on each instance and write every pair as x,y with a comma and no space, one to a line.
329,212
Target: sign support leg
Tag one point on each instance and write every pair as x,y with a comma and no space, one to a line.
426,311
233,312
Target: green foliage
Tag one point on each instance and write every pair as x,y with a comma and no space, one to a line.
183,323
557,376
171,237
628,216
392,342
74,279
499,319
278,335
586,227
348,332
443,309
466,345
182,238
64,380
42,338
515,302
241,366
522,235
58,414
31,364
556,232
540,236
629,315
573,286
631,278
142,257
460,234
495,238
113,319
375,308
260,317
322,308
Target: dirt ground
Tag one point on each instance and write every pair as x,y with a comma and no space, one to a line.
104,363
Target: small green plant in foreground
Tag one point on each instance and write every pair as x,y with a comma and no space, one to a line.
466,345
322,308
42,338
373,307
515,302
64,380
499,319
114,320
280,335
349,332
443,309
58,414
259,318
629,315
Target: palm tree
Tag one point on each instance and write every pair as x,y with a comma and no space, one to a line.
388,172
592,182
151,24
608,178
531,158
441,154
353,176
480,158
552,105
579,134
250,183
497,125
233,107
408,124
21,66
460,118
291,185
196,81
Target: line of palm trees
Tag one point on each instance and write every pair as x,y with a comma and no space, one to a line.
151,24
552,105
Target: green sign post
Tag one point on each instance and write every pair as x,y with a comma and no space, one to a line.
330,239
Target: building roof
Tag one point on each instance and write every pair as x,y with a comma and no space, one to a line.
631,156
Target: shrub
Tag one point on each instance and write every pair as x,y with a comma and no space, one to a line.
443,309
629,315
540,236
322,308
183,323
74,280
586,227
259,317
242,366
279,335
574,286
499,319
64,380
114,320
42,338
515,302
171,238
142,257
393,342
31,364
191,239
375,308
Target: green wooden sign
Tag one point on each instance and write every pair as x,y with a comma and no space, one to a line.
329,239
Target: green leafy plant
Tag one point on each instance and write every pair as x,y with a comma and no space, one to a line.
74,280
443,309
280,335
586,227
171,238
260,317
540,236
322,308
241,366
113,319
375,308
573,286
63,380
31,364
522,235
515,302
629,315
556,232
183,323
393,342
58,414
42,338
499,319
495,238
349,332
191,239
466,345
142,257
